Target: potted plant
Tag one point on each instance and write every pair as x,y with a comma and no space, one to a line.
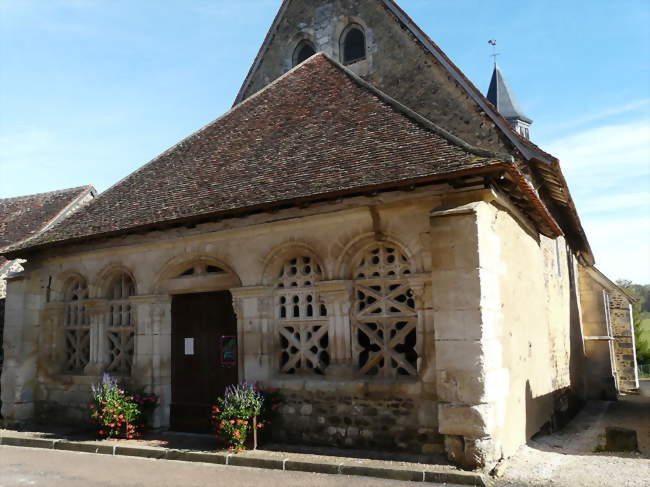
241,414
118,413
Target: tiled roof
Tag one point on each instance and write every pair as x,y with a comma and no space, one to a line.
318,130
25,216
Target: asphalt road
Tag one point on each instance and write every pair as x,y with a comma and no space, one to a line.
20,467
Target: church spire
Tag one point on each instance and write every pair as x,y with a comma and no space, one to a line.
502,98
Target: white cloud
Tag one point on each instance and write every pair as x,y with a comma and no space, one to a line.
608,171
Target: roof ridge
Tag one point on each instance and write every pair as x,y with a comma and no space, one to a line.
50,193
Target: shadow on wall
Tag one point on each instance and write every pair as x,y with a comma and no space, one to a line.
550,412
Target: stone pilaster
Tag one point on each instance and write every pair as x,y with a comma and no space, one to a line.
97,310
52,338
256,335
336,295
471,382
21,331
152,351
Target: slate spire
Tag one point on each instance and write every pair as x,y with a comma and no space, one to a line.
502,98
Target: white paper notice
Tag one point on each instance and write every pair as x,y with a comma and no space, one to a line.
189,346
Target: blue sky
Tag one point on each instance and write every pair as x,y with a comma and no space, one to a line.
92,89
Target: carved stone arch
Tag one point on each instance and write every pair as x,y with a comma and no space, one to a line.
104,278
276,258
351,252
62,282
191,273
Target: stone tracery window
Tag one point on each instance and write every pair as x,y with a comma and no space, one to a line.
384,314
120,324
76,326
302,319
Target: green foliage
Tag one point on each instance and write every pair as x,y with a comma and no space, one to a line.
234,414
117,412
640,315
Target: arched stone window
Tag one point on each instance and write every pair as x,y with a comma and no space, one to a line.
384,314
76,326
120,323
303,51
353,45
302,319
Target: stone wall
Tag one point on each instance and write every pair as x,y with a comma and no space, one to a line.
390,423
502,301
421,83
488,301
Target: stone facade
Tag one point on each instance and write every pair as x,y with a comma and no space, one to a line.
473,363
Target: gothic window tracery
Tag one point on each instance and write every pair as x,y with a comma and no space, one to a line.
301,317
76,326
384,313
354,44
120,324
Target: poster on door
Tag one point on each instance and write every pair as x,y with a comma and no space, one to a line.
228,355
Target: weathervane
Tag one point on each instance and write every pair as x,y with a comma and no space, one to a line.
493,43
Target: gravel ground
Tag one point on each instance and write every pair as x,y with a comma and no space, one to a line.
570,458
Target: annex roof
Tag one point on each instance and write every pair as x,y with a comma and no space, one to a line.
23,217
318,131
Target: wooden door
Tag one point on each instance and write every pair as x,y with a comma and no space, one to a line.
204,357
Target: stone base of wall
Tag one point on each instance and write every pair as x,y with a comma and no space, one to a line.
350,421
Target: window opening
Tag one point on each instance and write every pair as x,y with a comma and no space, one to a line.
77,327
304,51
120,326
303,329
385,317
354,45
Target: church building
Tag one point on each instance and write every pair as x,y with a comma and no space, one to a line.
364,231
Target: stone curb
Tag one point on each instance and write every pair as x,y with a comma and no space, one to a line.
459,478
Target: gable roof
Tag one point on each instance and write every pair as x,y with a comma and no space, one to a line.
23,217
318,131
501,96
546,166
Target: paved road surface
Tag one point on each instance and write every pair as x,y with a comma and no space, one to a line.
20,467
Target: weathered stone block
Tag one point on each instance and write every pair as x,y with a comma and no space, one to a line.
621,439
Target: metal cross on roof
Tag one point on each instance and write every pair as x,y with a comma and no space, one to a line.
493,43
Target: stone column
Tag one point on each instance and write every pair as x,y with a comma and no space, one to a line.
21,331
336,295
471,382
97,311
256,335
152,351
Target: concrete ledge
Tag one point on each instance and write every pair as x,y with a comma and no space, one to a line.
27,442
300,466
460,478
190,456
244,461
140,452
383,473
414,475
84,447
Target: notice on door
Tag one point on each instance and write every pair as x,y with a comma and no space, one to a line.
189,346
